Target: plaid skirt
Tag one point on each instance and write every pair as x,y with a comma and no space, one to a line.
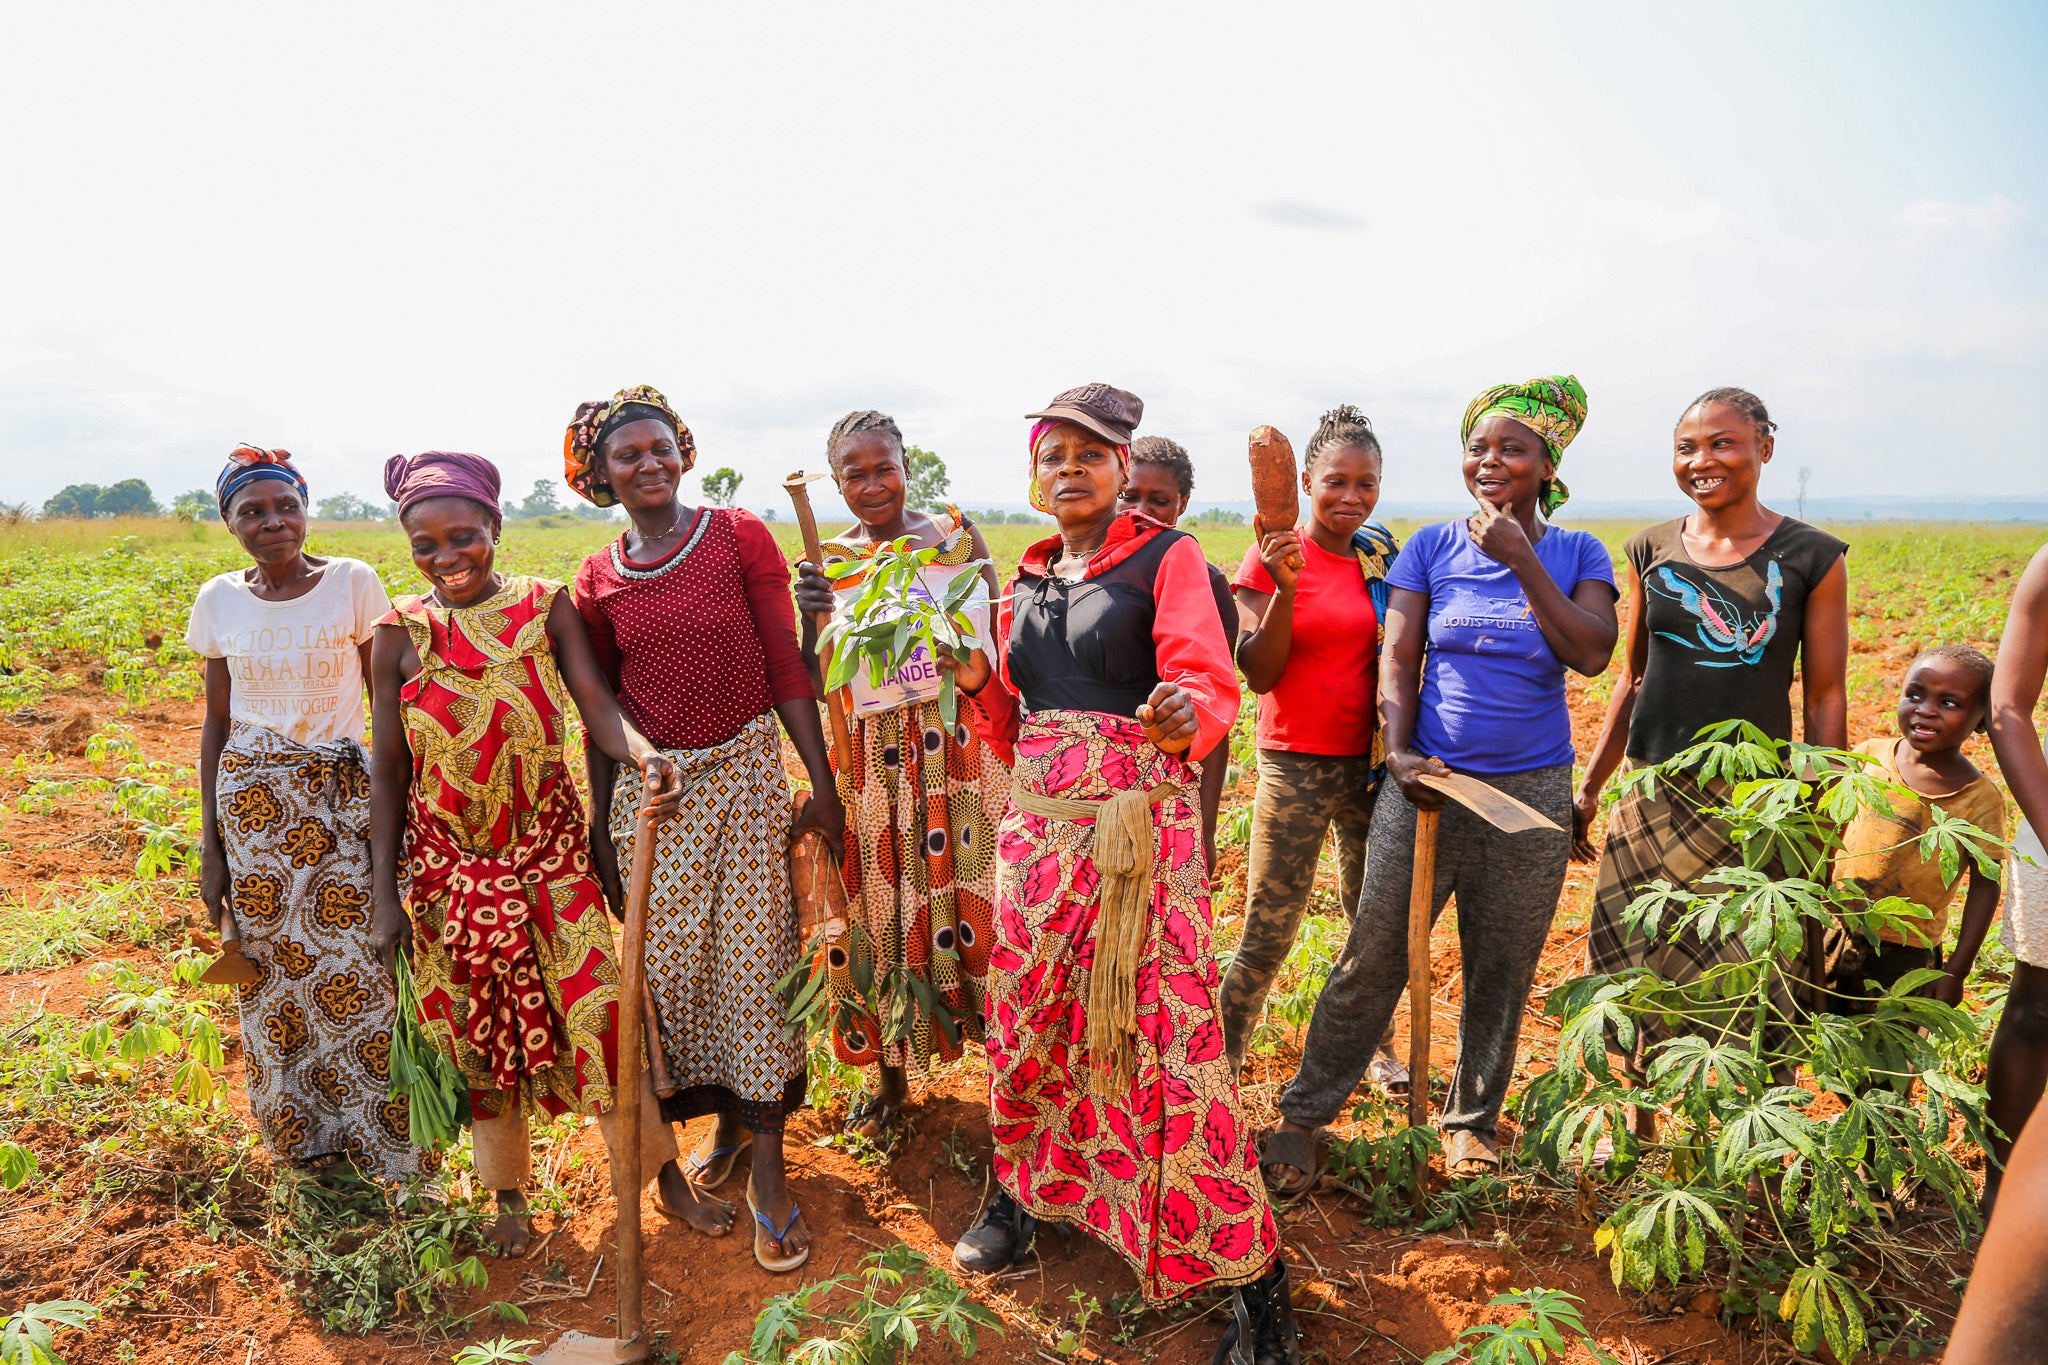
1672,837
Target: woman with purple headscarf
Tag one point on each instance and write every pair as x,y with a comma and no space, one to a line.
475,683
285,808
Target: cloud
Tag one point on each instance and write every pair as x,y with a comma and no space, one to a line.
1308,215
1665,223
1994,221
71,413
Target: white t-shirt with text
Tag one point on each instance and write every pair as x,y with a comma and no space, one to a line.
293,666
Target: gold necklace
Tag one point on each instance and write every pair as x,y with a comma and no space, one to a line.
677,521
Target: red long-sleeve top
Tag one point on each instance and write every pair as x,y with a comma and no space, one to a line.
702,640
1144,613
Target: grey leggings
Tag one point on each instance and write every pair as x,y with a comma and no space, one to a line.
1507,887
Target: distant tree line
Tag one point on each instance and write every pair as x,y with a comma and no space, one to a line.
925,488
133,498
128,498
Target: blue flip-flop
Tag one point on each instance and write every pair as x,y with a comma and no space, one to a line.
716,1167
763,1227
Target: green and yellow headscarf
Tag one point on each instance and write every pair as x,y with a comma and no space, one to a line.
1554,407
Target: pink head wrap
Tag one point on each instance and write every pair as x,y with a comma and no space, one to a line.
412,479
1038,429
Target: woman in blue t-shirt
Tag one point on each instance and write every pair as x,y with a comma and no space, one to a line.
1486,614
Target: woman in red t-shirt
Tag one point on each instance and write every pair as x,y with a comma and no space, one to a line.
1316,594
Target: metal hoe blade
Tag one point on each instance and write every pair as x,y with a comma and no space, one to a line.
1490,804
576,1348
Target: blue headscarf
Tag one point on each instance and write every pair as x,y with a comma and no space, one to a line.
247,464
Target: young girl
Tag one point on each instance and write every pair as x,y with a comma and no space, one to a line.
470,792
1944,700
923,797
1160,483
1318,594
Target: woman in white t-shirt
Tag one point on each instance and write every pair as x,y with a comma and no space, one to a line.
285,849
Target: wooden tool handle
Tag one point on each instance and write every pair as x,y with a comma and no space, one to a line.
1421,892
797,486
626,1094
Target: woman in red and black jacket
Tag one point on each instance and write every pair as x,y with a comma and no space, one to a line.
1113,1103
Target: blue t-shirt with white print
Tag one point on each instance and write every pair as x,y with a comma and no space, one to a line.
1492,688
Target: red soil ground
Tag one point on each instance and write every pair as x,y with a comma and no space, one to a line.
1364,1294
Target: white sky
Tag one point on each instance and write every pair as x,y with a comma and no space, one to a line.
358,230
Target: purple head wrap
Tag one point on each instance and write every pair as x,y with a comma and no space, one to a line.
412,479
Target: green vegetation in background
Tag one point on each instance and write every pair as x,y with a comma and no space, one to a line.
116,591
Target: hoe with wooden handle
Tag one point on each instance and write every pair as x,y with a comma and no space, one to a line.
575,1348
1504,813
798,486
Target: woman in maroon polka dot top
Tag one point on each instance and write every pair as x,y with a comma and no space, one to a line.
689,613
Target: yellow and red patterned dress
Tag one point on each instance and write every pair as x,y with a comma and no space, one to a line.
511,949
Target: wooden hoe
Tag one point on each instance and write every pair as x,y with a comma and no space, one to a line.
576,1348
798,486
1504,813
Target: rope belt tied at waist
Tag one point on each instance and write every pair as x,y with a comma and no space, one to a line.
1122,847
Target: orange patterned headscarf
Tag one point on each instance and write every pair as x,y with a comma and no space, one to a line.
247,464
580,462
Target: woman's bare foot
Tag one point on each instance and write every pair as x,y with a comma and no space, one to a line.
875,1114
510,1236
683,1201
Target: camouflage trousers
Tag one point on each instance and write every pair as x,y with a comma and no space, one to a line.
1301,797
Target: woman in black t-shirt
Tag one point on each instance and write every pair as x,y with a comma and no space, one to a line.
1725,605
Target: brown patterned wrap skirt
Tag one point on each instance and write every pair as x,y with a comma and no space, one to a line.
316,1025
721,931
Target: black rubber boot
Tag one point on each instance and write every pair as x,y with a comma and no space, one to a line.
999,1239
1263,1332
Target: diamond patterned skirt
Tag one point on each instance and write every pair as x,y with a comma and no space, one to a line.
720,929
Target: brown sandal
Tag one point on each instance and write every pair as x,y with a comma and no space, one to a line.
1290,1147
1468,1156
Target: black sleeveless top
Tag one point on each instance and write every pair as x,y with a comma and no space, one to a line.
1087,645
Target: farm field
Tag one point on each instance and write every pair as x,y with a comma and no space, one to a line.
149,1196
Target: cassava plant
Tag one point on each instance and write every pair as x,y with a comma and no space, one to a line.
1549,1326
876,1318
895,615
29,1337
142,1018
888,624
1745,1154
